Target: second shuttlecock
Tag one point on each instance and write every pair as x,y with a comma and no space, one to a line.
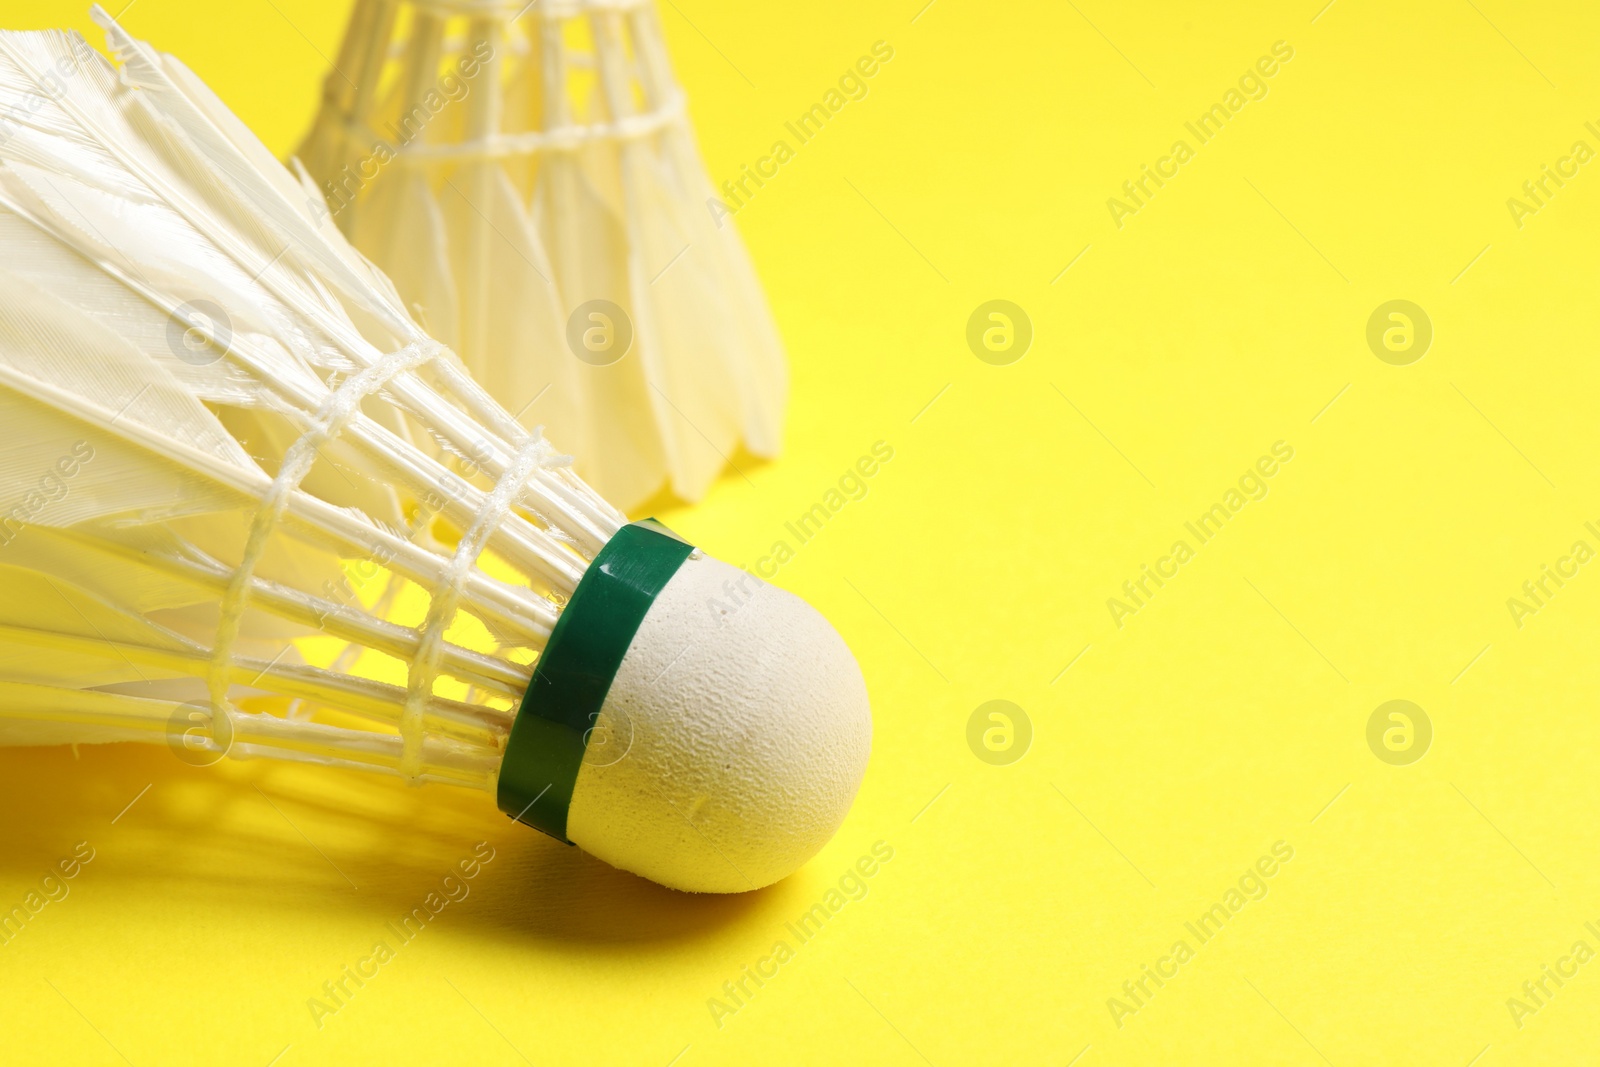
526,175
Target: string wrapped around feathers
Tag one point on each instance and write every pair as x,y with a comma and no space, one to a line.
527,176
132,213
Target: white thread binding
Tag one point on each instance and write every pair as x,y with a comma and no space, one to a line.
509,144
442,607
567,138
330,419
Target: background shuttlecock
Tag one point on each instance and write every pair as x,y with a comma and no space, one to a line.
526,175
224,434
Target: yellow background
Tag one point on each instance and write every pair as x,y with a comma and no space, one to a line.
1228,714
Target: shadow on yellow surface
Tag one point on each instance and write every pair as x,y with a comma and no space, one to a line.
279,839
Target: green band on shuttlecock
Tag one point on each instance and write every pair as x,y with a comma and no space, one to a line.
575,670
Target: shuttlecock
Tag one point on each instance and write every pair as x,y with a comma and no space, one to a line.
526,175
224,433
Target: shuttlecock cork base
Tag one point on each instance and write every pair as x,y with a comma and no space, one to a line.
706,749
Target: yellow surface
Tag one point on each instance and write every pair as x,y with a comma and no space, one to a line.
1169,754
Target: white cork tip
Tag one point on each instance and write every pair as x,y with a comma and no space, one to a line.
732,741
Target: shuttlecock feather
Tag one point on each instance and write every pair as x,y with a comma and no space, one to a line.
224,432
527,176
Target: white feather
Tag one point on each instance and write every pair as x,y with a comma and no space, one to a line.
185,485
558,174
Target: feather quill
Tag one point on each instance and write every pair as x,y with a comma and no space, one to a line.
185,338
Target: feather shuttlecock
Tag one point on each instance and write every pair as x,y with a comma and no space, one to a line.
526,175
224,433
